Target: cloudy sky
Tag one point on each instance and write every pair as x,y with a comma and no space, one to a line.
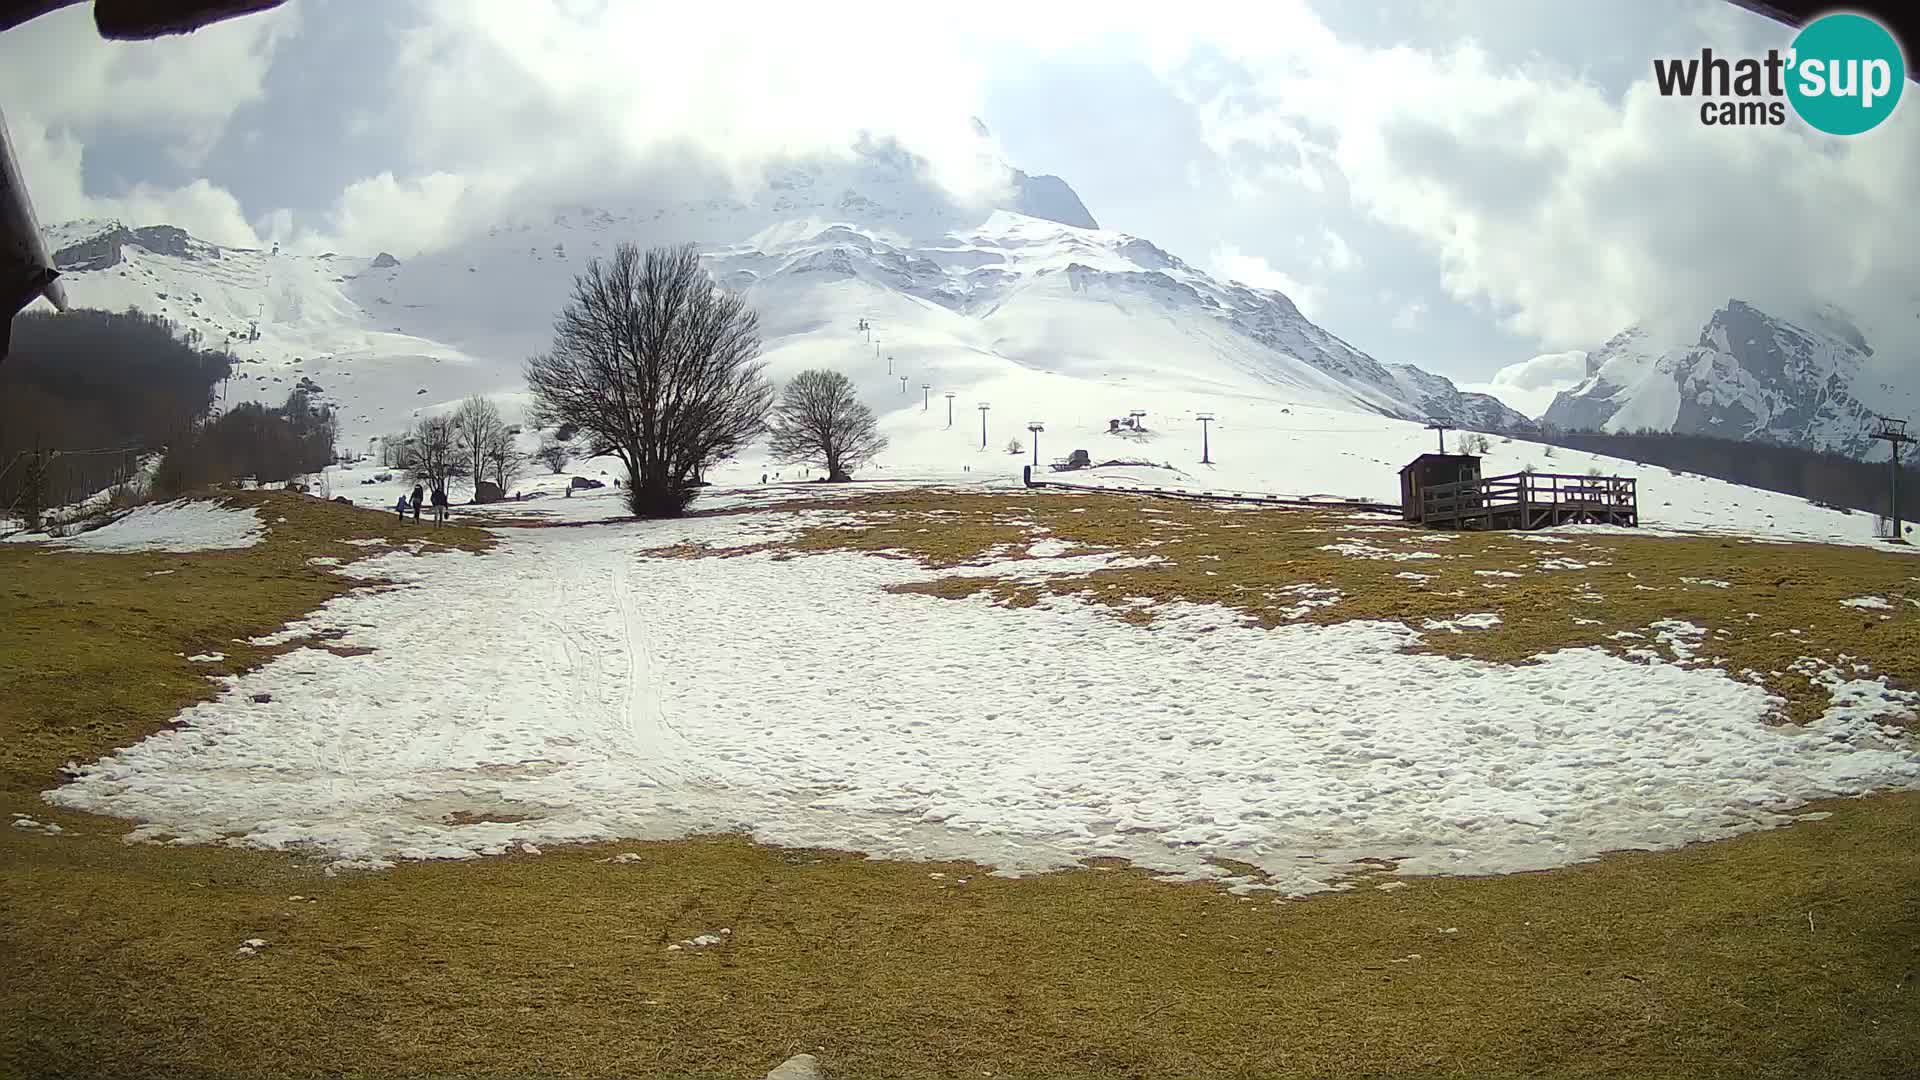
1475,186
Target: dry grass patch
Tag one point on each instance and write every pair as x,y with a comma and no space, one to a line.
97,644
1700,963
1793,953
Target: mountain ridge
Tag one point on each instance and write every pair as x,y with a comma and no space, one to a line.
959,291
1747,375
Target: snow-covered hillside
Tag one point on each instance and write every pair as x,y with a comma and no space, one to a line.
1749,374
960,297
1072,328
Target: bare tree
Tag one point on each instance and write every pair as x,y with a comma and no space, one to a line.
1014,446
655,365
430,452
393,450
553,453
819,421
502,460
476,428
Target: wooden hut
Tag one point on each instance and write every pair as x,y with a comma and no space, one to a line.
1430,470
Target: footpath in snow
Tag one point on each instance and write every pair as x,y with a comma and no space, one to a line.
573,685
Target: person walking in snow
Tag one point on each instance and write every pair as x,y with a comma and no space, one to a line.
419,496
400,506
439,506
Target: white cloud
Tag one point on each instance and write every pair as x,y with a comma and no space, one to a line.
1409,315
1337,257
51,164
1568,211
1556,208
184,90
1232,264
1530,385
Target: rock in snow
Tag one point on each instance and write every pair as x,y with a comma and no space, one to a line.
797,1067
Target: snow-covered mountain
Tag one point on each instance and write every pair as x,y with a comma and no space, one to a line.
957,295
1748,375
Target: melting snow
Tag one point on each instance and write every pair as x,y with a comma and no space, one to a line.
1481,621
175,526
1360,549
800,701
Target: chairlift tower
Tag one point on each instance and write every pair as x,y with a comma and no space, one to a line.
1205,418
1894,432
1442,427
949,408
926,396
983,424
1036,427
1137,415
903,384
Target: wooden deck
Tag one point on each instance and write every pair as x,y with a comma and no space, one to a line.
1531,501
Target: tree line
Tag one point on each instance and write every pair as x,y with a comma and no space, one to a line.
474,442
270,445
85,394
652,363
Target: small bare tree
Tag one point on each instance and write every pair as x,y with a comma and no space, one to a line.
553,453
475,425
430,452
502,459
485,444
819,421
1014,446
655,365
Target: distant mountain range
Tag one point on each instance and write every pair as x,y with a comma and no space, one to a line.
1749,375
964,295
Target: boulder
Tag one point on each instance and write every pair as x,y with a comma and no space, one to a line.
487,492
797,1067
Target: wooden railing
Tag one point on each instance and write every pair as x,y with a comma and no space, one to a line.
1530,500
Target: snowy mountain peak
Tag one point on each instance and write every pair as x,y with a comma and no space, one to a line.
1749,374
1052,199
964,302
98,245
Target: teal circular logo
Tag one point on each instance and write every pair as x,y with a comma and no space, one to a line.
1845,73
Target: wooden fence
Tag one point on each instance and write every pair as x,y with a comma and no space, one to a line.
1531,501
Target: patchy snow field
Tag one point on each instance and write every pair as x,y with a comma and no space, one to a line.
574,685
176,526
